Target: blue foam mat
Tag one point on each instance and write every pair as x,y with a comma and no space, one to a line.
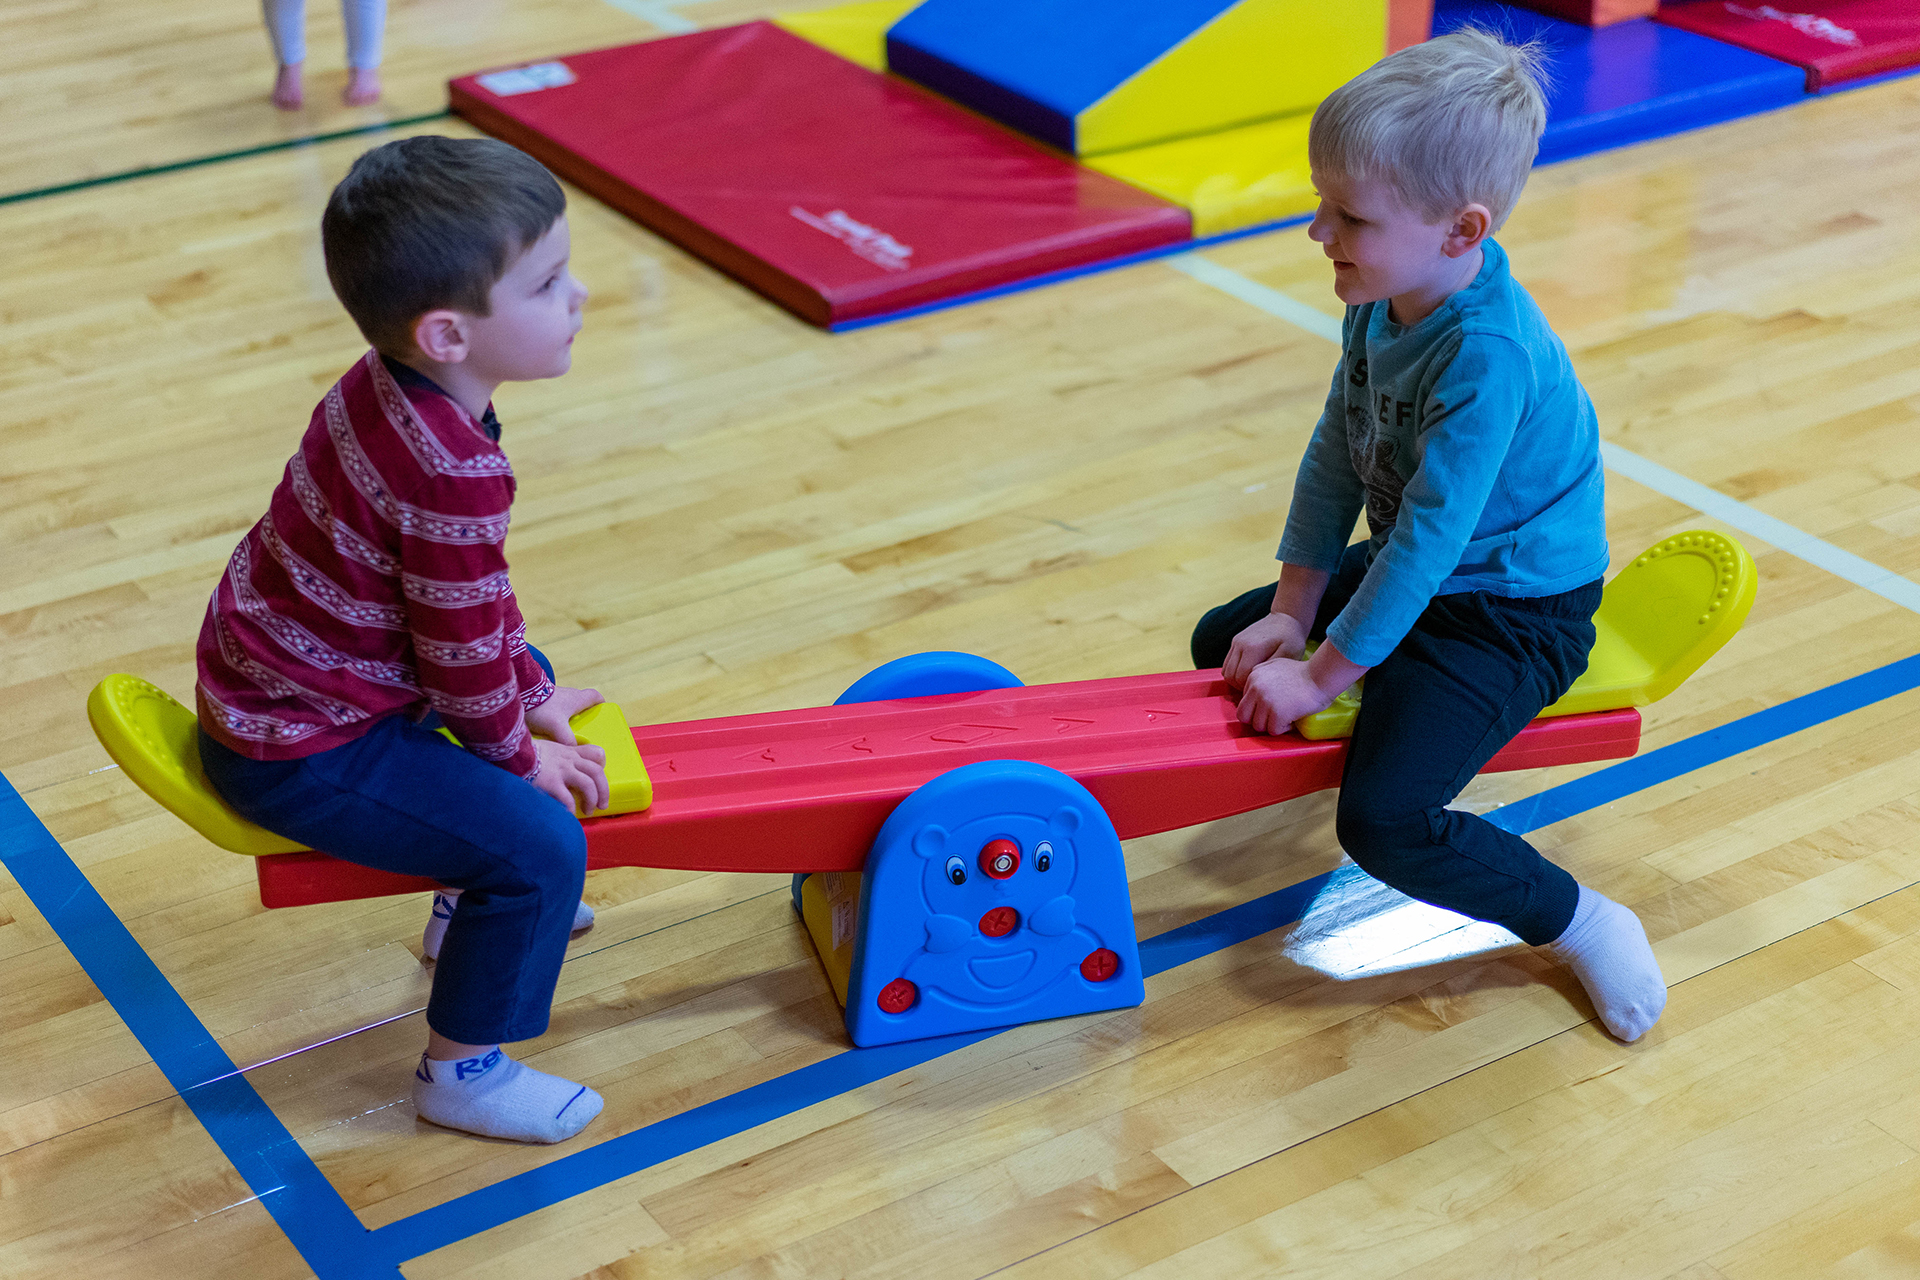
1037,64
1633,81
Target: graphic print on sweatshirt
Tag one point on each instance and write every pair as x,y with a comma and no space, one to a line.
1374,453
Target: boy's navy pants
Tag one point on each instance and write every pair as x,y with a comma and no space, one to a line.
1472,673
402,798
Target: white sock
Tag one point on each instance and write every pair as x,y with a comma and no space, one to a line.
445,900
1607,949
496,1097
443,905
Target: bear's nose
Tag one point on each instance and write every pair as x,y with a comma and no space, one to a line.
999,858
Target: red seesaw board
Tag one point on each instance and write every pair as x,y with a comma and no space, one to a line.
808,790
1834,40
837,191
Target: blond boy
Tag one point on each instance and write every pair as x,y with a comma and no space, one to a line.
1456,424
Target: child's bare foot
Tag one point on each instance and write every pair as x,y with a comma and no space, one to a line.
287,93
363,87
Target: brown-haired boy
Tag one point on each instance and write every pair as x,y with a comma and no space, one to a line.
371,603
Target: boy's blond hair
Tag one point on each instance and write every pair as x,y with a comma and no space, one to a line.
1448,123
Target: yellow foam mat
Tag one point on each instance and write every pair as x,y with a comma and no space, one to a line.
1228,180
1661,618
830,907
857,32
1256,60
153,739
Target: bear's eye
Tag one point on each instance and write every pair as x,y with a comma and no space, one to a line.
1043,855
956,871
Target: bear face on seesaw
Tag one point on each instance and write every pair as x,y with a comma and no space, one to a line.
1000,913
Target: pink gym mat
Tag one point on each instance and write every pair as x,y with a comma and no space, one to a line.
836,191
1833,40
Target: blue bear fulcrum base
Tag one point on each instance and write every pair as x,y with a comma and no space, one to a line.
996,894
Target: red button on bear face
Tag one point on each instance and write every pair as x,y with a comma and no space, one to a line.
898,996
1099,965
999,922
999,858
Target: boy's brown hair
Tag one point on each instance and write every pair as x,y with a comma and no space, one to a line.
431,222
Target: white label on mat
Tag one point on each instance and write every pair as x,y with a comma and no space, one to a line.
876,246
541,75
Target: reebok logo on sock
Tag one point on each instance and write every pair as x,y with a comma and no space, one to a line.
468,1068
464,1069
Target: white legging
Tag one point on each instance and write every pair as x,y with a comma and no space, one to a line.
287,25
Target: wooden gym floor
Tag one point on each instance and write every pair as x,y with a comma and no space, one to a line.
722,510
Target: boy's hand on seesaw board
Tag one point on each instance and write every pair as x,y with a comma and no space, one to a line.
1278,635
575,776
549,719
1279,692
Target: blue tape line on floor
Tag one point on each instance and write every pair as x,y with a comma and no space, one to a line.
336,1244
1623,779
704,1125
305,1205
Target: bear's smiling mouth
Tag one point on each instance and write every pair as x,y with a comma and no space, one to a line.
996,973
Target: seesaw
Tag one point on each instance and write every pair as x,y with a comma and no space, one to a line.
984,816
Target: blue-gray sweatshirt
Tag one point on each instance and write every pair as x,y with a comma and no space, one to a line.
1473,450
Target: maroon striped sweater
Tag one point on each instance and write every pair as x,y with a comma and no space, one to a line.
375,585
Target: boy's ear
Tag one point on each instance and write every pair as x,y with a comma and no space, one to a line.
1471,225
441,336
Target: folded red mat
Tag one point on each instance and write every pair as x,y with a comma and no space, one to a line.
1834,40
837,191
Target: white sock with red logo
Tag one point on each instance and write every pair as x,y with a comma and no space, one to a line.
445,900
496,1097
1606,947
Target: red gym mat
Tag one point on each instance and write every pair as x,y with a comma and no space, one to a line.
836,191
1834,40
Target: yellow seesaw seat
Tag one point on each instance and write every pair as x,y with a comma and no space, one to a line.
152,737
1661,617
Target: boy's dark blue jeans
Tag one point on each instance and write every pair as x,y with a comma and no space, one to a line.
1475,669
402,798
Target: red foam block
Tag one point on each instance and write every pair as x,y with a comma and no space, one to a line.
1834,40
1592,13
836,191
808,790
